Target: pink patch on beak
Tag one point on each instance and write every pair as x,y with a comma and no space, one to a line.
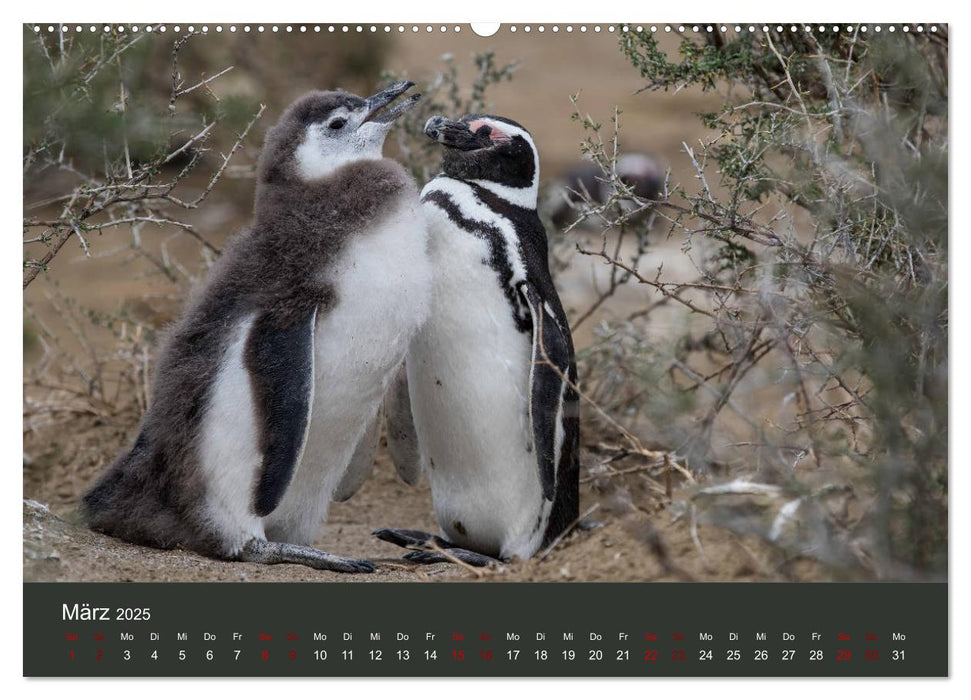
494,135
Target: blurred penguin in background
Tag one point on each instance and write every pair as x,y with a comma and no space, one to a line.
644,174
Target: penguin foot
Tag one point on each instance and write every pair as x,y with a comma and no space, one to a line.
431,549
411,539
448,555
264,552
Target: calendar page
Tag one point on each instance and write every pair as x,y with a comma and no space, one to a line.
597,349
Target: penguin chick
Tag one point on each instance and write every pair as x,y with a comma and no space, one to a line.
266,385
491,375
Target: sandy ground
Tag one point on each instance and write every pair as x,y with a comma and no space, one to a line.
61,549
649,544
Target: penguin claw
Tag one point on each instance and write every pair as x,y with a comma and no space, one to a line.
355,566
425,557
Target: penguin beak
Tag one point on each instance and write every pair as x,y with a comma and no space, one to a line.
376,103
458,135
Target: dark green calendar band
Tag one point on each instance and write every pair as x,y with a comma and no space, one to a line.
481,630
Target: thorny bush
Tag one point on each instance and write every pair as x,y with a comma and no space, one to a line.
808,361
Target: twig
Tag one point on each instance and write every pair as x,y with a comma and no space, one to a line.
206,81
215,178
433,547
630,437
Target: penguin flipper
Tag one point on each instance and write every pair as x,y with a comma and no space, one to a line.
551,364
359,468
402,436
280,361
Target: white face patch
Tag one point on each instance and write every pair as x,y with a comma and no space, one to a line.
324,150
501,131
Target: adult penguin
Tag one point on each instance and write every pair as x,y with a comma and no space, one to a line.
489,405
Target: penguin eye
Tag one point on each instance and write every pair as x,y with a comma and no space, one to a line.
337,123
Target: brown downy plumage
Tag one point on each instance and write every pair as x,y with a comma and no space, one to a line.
280,271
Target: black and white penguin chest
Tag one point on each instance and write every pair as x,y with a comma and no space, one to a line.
469,376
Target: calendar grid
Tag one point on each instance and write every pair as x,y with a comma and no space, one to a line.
342,630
